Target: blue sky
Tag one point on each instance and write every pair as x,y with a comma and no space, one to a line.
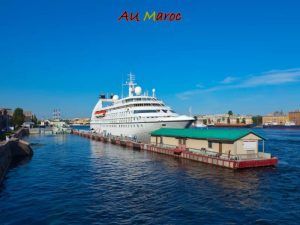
238,55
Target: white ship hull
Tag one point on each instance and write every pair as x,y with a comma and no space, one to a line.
140,131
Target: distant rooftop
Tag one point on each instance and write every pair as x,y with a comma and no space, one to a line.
277,113
211,134
5,109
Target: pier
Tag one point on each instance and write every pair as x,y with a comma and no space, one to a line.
230,163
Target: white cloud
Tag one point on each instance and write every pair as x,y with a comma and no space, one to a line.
229,80
270,78
275,77
199,85
187,94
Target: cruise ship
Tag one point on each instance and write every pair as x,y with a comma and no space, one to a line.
134,116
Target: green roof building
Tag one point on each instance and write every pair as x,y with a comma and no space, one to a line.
239,143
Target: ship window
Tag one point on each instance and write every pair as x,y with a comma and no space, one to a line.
145,111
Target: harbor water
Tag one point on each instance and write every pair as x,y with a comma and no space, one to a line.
73,180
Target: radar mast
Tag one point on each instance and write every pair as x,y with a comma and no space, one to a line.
131,84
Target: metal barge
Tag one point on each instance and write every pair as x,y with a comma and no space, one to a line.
232,162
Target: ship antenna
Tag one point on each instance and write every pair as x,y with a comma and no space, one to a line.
131,84
122,87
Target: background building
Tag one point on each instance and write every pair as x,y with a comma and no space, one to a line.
5,117
28,116
294,117
275,118
224,119
80,121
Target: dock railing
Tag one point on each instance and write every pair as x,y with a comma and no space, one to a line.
164,145
204,152
247,156
259,155
264,155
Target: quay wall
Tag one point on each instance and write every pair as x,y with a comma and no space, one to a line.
21,133
12,150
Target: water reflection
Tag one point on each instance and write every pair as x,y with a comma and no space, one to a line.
20,161
224,183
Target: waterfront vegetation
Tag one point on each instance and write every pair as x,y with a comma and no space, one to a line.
257,120
3,135
18,117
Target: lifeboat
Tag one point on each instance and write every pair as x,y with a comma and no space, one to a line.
100,113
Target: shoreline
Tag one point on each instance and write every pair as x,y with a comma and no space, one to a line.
12,150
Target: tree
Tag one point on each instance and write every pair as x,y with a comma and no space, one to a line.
205,121
34,120
238,120
244,121
228,120
18,117
230,113
257,120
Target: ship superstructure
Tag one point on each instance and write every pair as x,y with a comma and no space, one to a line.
134,116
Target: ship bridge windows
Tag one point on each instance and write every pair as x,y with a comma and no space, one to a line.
139,99
147,104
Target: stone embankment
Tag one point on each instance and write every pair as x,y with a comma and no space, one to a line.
12,150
